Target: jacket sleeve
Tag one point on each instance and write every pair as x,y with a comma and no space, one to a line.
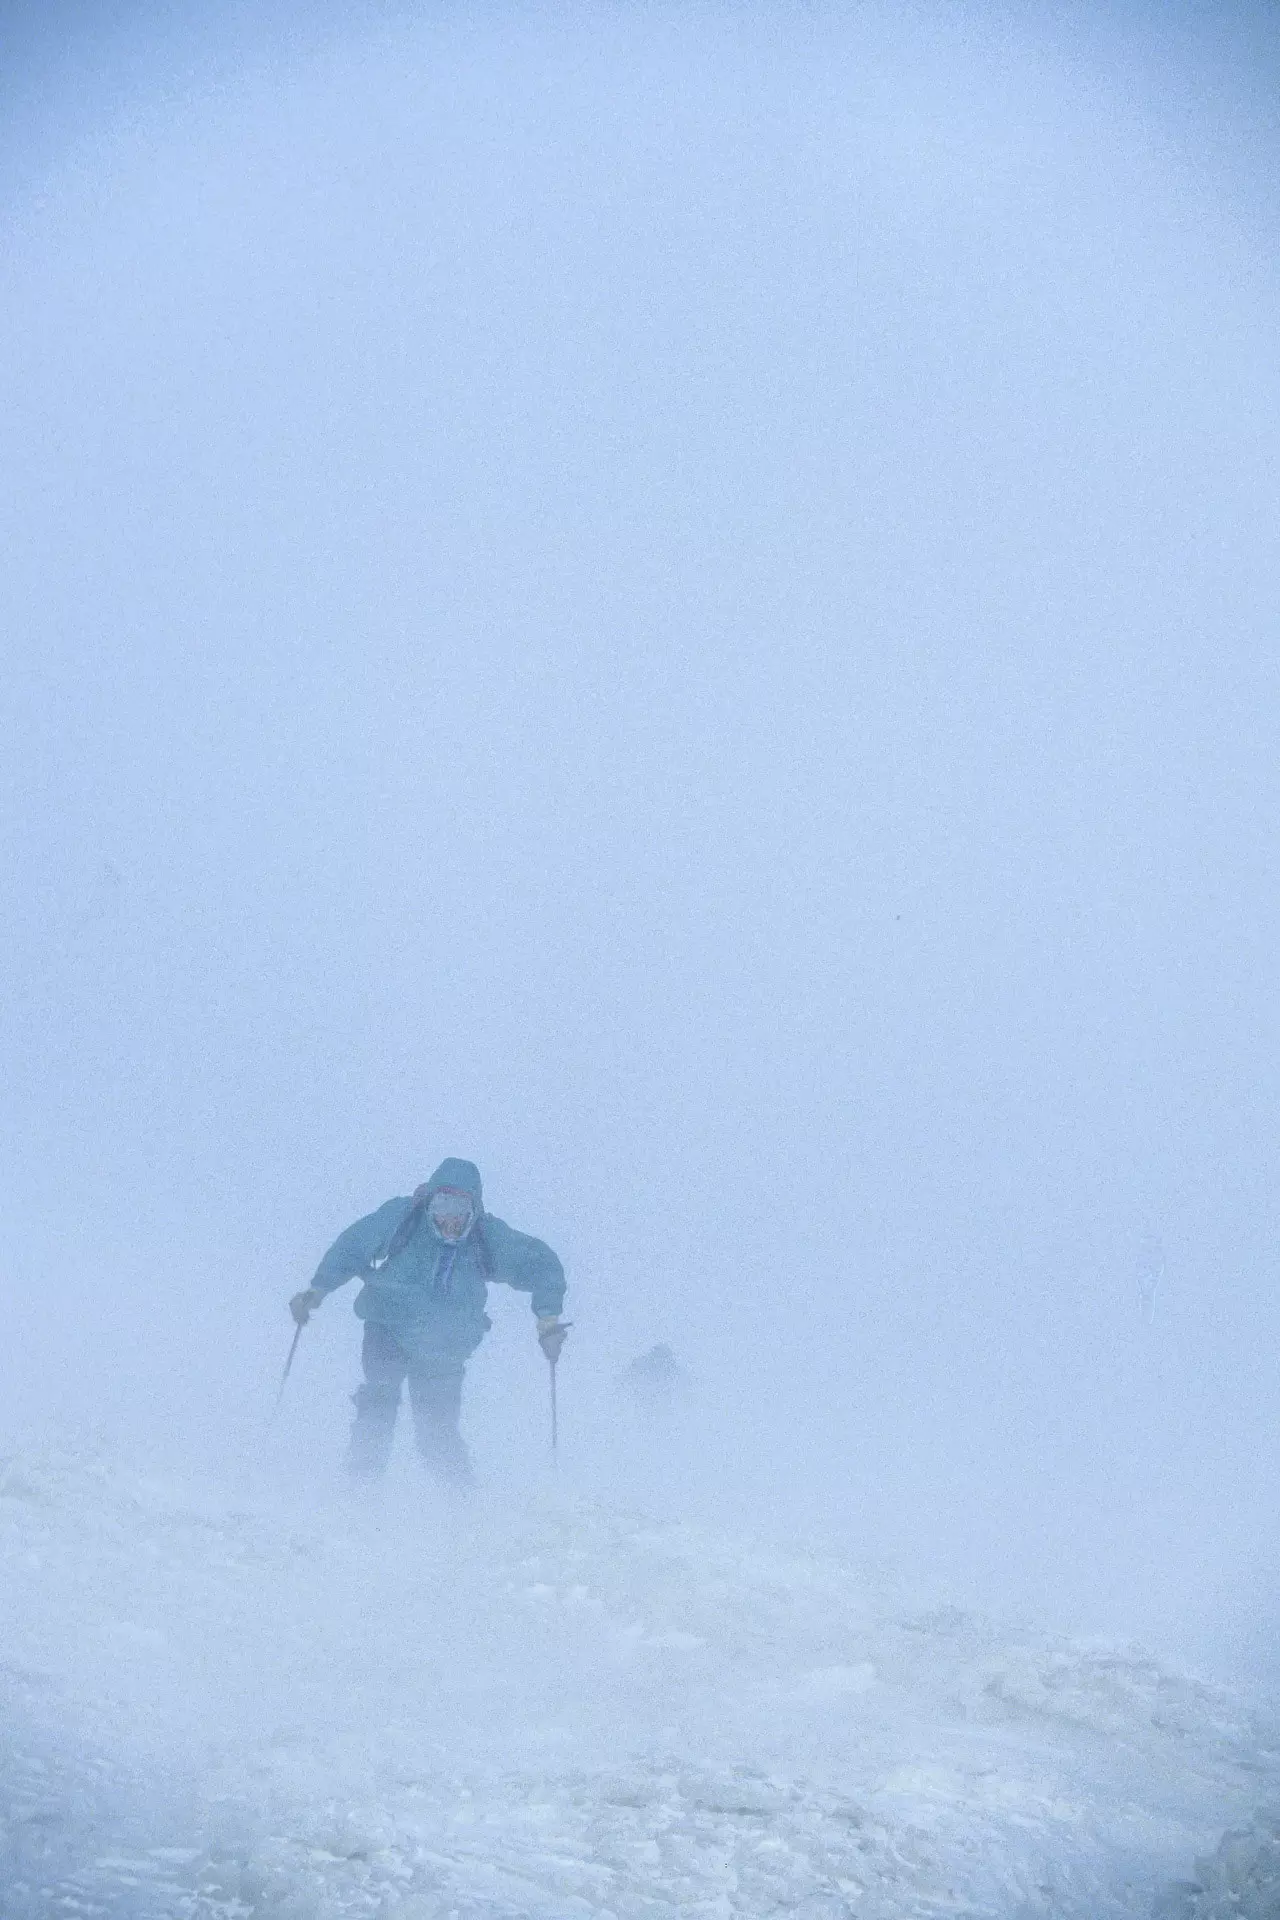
352,1251
527,1264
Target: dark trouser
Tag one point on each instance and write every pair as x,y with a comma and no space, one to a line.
435,1394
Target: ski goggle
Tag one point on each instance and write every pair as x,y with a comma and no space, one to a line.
451,1212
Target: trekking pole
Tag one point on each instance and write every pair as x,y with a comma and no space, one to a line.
552,1340
284,1377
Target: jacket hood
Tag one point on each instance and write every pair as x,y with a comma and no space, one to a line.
455,1173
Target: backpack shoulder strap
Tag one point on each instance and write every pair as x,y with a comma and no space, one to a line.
484,1249
405,1231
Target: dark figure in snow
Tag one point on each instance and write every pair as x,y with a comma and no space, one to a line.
653,1385
426,1263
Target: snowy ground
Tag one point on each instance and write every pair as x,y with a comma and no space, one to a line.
220,1705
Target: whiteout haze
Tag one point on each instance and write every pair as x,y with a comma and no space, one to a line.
680,601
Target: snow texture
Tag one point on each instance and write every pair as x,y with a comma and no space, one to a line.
1241,1879
221,1706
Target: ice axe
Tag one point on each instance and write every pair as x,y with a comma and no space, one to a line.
302,1306
551,1343
284,1377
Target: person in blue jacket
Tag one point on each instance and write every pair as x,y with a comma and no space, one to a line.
426,1263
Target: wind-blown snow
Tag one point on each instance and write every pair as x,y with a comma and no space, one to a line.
1239,1881
248,1706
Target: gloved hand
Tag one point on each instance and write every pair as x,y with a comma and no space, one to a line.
304,1304
552,1334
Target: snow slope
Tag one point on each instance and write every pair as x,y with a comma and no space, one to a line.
221,1705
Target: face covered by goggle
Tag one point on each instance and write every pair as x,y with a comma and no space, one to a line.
451,1213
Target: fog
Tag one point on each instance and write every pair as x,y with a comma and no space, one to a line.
681,602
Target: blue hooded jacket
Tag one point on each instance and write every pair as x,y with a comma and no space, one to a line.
428,1293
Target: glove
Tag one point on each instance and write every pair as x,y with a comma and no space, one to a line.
304,1304
552,1334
